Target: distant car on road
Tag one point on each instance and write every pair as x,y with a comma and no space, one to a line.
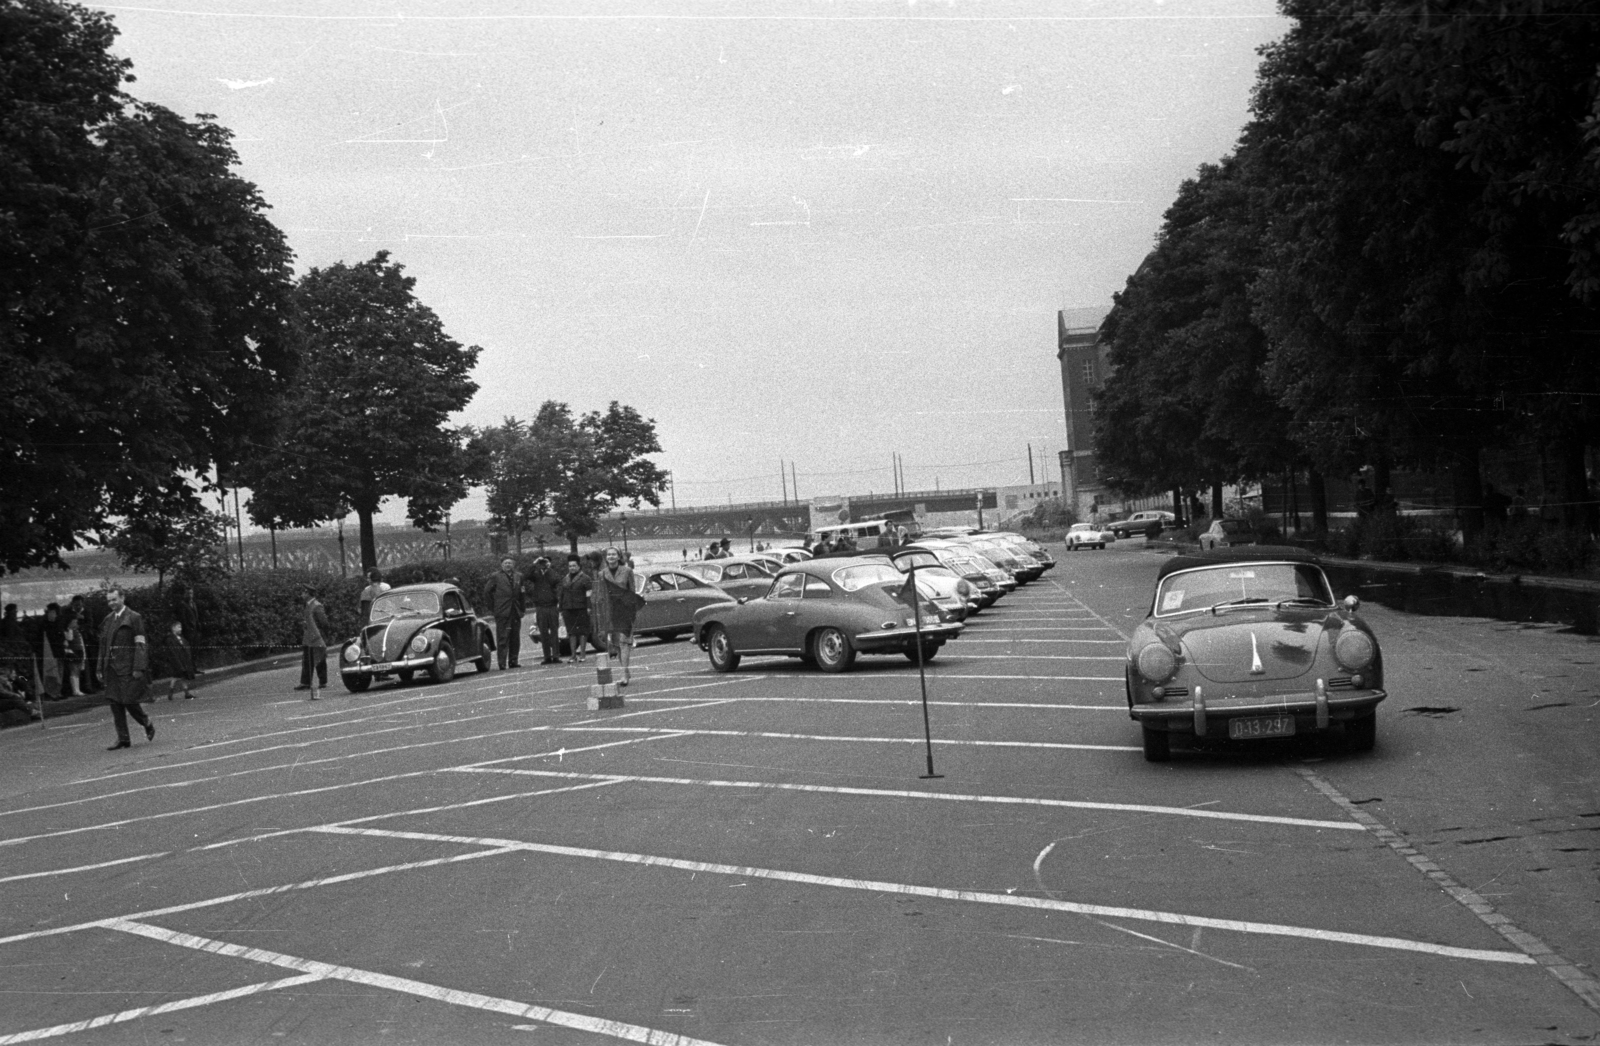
748,576
1242,644
1227,533
825,612
1088,535
416,628
1149,523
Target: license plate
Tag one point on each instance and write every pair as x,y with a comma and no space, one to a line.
1269,726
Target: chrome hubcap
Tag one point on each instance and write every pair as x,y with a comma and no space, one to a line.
831,647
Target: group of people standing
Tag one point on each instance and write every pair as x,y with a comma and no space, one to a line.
593,597
51,655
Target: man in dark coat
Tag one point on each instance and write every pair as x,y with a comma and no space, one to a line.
124,667
543,585
314,629
503,597
572,595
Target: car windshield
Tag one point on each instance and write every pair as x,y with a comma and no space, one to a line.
1234,526
1084,526
1241,583
704,571
853,579
392,605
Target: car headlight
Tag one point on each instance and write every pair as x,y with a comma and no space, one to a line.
964,589
1354,649
419,643
1156,663
352,653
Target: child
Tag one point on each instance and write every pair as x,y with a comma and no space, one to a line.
179,660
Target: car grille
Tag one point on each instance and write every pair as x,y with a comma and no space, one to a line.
1174,691
1340,683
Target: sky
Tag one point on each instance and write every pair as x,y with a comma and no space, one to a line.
811,231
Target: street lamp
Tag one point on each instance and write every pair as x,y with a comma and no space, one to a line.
750,522
624,517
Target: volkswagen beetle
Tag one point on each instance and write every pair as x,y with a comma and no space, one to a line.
1243,644
426,628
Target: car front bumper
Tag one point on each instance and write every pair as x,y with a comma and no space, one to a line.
904,638
369,667
1203,716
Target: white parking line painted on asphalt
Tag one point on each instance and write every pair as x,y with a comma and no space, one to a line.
1031,657
436,993
966,639
932,703
1091,613
779,736
1068,628
948,797
969,896
83,867
209,999
1569,974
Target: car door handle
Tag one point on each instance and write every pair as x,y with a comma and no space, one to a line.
790,613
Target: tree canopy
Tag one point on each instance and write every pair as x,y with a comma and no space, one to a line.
369,416
143,290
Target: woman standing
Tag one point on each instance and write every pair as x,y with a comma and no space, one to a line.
616,589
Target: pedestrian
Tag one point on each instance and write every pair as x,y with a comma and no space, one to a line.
544,587
124,667
76,641
503,597
620,604
15,658
572,596
823,547
374,589
1365,500
14,695
53,653
314,629
886,538
89,679
178,659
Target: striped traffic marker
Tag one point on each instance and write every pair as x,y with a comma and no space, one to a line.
603,692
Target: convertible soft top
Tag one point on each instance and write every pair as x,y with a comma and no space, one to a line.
1243,554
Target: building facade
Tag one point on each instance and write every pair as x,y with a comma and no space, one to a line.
1082,356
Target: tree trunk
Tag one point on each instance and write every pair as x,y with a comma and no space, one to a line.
369,544
1216,501
1177,505
1319,501
1380,481
572,540
1577,504
1466,476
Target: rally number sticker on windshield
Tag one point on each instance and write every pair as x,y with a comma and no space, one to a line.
1172,600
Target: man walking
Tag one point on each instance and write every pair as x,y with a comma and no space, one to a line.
314,629
502,596
542,585
124,667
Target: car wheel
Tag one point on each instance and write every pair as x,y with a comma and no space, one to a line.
405,675
1362,733
832,650
443,668
1157,745
356,684
723,657
485,656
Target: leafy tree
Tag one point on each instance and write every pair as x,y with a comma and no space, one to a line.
368,417
141,289
573,470
171,532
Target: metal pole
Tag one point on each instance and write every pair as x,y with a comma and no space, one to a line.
238,521
783,477
922,670
1031,480
272,529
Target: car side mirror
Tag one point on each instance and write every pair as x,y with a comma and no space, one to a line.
1352,603
453,612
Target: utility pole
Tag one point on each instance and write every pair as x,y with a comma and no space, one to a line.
673,487
1030,465
783,476
794,482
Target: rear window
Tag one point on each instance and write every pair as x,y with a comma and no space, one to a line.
853,579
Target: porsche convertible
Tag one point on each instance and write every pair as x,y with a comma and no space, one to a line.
825,612
1246,644
417,628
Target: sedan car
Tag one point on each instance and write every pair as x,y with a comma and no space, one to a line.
1150,524
747,576
826,612
428,628
1246,644
1226,533
671,596
1088,535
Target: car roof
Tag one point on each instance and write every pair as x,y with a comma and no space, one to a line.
428,586
1223,556
825,567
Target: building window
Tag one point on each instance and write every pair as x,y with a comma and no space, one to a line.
1088,371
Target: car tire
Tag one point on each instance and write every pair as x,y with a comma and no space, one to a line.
1157,745
357,684
443,668
720,649
405,675
929,649
832,650
485,656
1362,733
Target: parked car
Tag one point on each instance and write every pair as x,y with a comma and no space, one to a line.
790,554
825,612
949,551
1088,535
747,576
1005,558
1149,523
1226,533
426,628
1028,545
671,596
982,590
1246,644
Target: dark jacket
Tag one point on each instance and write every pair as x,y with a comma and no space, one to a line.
314,631
544,586
122,645
177,657
573,591
502,594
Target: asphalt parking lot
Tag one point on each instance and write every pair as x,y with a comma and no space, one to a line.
758,858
